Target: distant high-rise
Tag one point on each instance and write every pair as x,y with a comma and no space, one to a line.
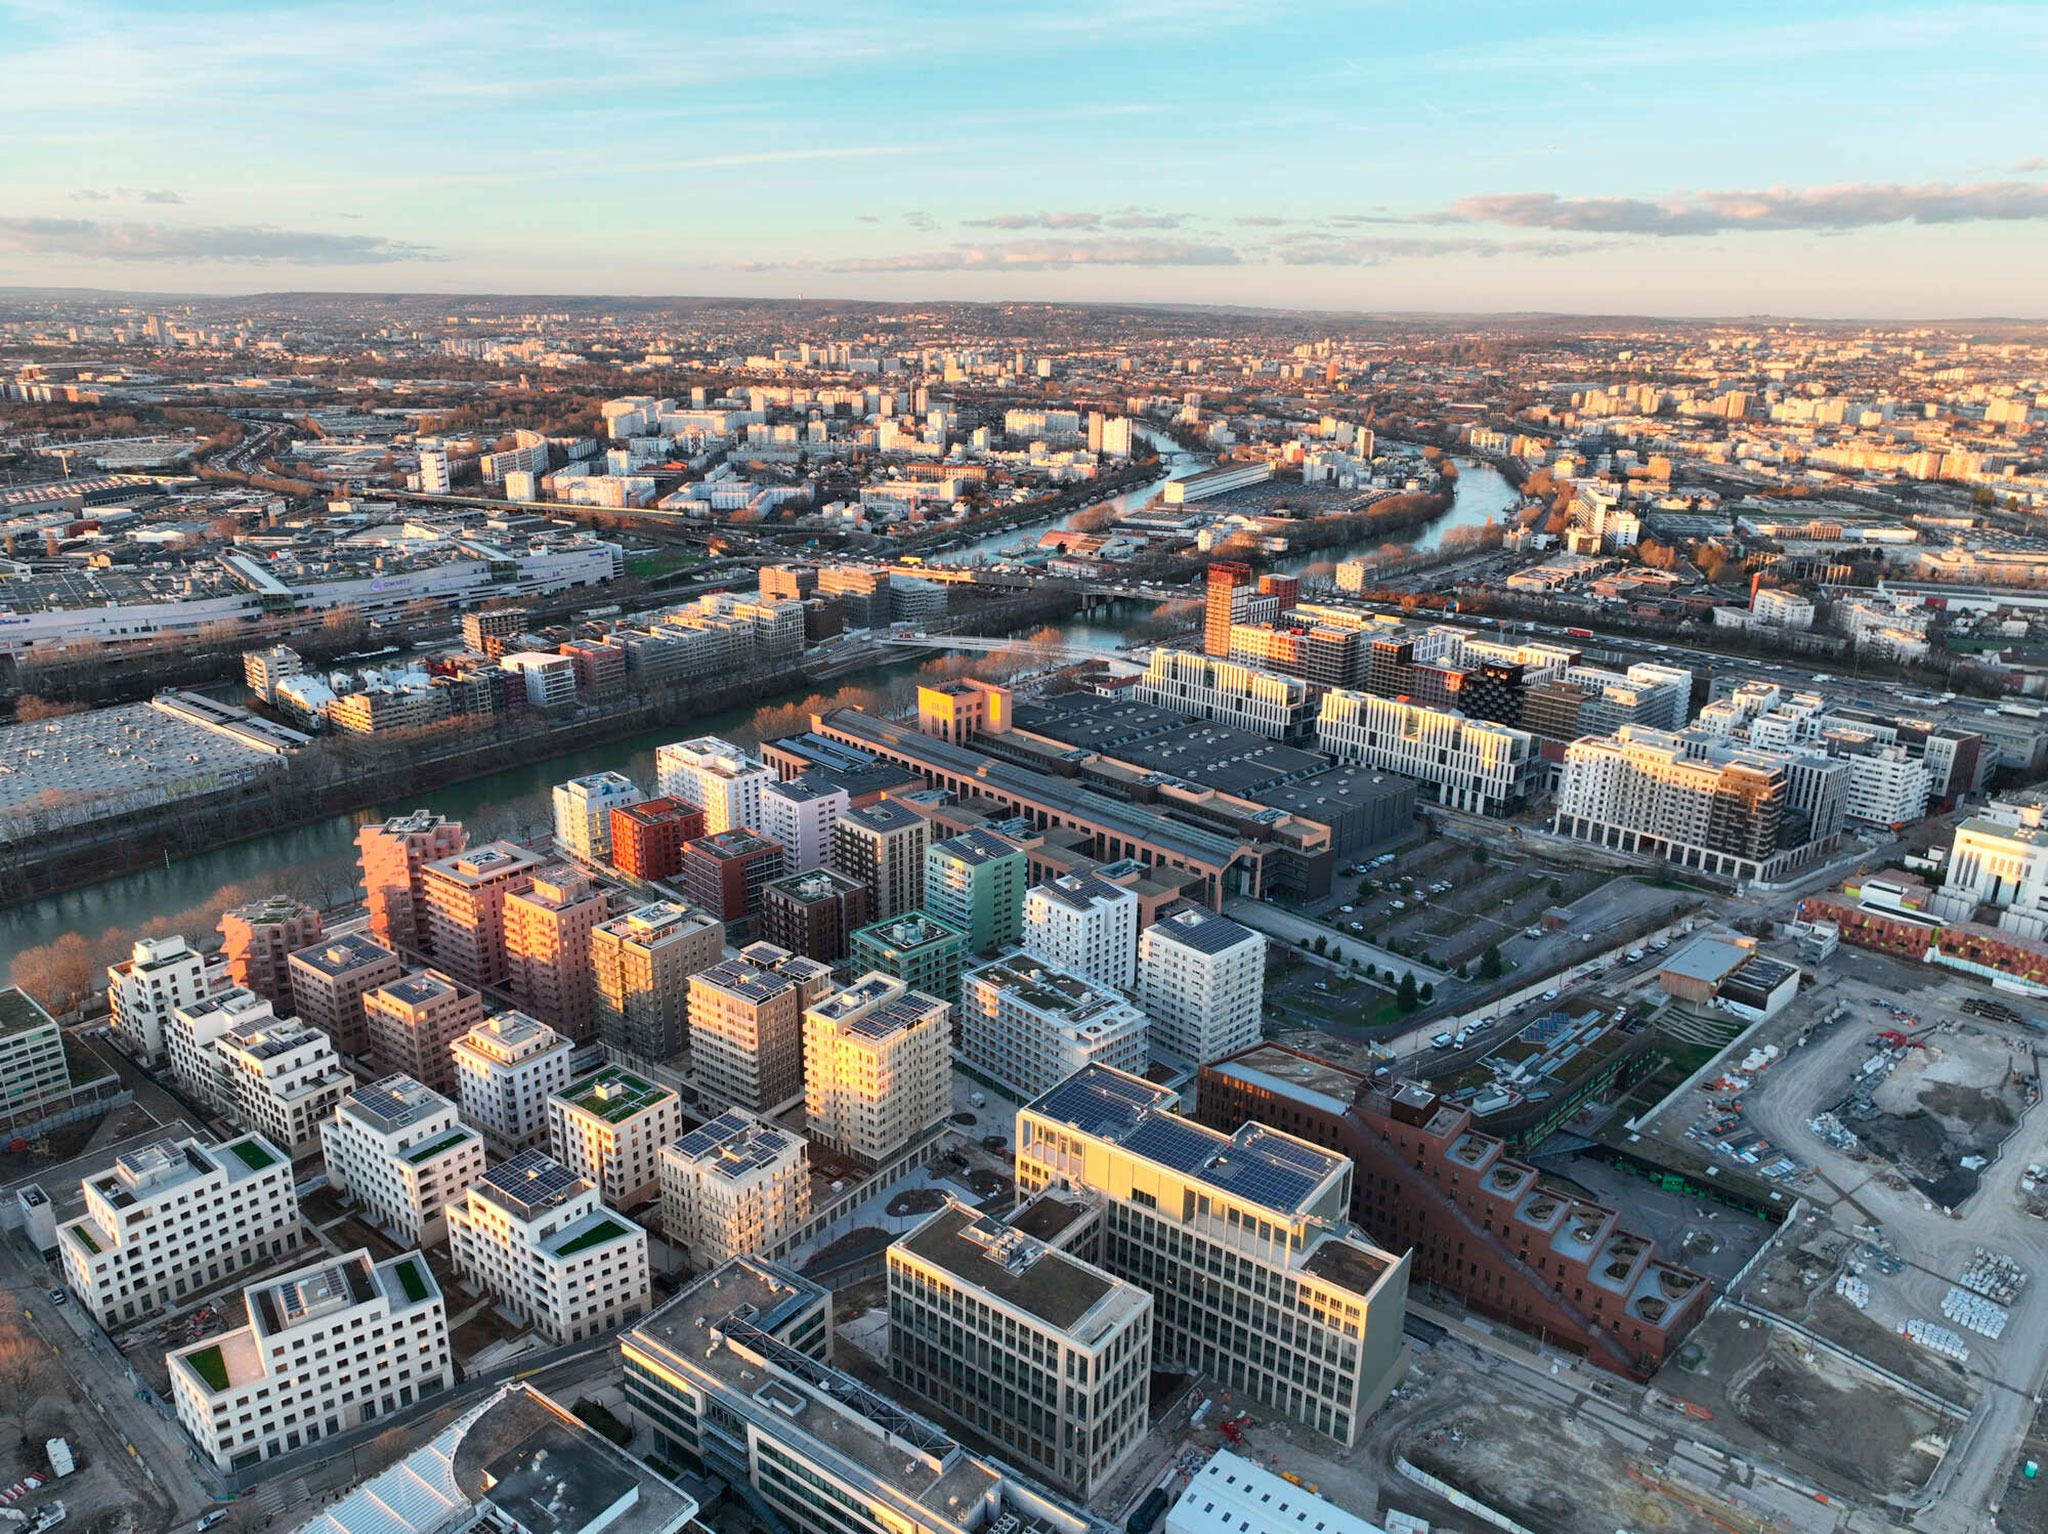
1221,604
882,845
259,940
548,930
974,882
392,856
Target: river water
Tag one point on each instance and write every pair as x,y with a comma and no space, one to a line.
130,900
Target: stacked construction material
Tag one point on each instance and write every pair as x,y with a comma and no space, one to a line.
1995,1276
1974,1313
1936,1339
1853,1289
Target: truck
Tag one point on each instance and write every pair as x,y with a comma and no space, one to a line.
61,1462
48,1516
979,1099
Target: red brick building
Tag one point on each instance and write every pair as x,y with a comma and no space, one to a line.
648,837
724,873
599,667
1481,1227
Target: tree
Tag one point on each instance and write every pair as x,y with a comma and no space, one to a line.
1556,890
1407,998
30,709
1478,857
1322,943
1370,971
25,1375
1489,963
1428,991
59,973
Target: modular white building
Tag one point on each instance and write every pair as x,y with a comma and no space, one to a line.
610,1128
506,1069
325,1349
1085,926
716,776
535,1236
583,813
1202,981
877,1067
159,976
170,1220
399,1150
1471,764
1031,1026
732,1187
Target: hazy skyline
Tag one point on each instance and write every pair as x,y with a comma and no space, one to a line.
1883,161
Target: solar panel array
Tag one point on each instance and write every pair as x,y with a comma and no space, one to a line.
1256,1165
1098,1102
734,1144
532,1180
389,1105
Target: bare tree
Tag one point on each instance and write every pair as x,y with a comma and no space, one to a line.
26,1375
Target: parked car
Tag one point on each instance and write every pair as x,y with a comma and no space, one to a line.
1444,1041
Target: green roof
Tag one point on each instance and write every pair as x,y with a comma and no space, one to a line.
19,1011
597,1235
446,1142
638,1095
210,1366
84,1238
409,1277
252,1154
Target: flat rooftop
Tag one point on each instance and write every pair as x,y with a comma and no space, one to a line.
553,1474
1019,1269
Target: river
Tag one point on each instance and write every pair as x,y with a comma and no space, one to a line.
132,899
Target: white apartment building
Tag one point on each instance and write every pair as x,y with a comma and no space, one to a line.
877,1067
1886,787
1085,926
732,1187
170,1220
1470,764
549,678
1030,1025
195,1030
535,1236
716,776
1204,687
610,1128
1258,1280
285,1078
583,813
325,1349
506,1069
399,1150
799,817
1780,608
1202,981
1040,1352
159,976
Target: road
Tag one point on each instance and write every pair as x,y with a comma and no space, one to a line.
1291,928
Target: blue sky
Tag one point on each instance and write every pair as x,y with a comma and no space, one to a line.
1823,159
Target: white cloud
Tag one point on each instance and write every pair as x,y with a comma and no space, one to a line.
1778,208
97,240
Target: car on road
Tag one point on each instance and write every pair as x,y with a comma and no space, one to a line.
58,1296
1660,945
1400,905
218,1515
1550,996
1635,956
1347,910
1444,1041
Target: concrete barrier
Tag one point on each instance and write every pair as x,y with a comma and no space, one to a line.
1459,1499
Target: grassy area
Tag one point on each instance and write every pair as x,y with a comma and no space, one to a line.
252,1155
597,1235
410,1279
446,1142
652,567
600,1418
639,1095
209,1366
84,1239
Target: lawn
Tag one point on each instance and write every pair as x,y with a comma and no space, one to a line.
85,1240
409,1276
209,1366
597,1235
429,1152
252,1155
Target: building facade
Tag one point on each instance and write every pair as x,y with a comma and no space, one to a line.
609,1129
583,813
1468,764
401,1152
160,975
1085,926
392,855
325,1349
747,1027
882,845
330,980
169,1221
920,950
463,905
548,943
536,1237
1258,1280
974,883
258,940
813,913
414,1020
732,1187
877,1068
798,815
506,1069
1031,1026
1201,978
1034,1349
642,963
716,776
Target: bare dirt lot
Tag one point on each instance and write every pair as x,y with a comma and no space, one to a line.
1957,1099
1773,1393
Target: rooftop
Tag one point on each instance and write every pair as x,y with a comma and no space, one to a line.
394,1103
883,815
613,1095
909,932
734,1144
337,956
1256,1165
1016,1268
530,1184
1203,930
812,888
20,1012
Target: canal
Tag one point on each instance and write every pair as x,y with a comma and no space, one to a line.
129,901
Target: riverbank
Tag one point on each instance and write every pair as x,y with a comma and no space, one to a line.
344,774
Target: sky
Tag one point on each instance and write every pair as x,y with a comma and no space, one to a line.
1825,159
